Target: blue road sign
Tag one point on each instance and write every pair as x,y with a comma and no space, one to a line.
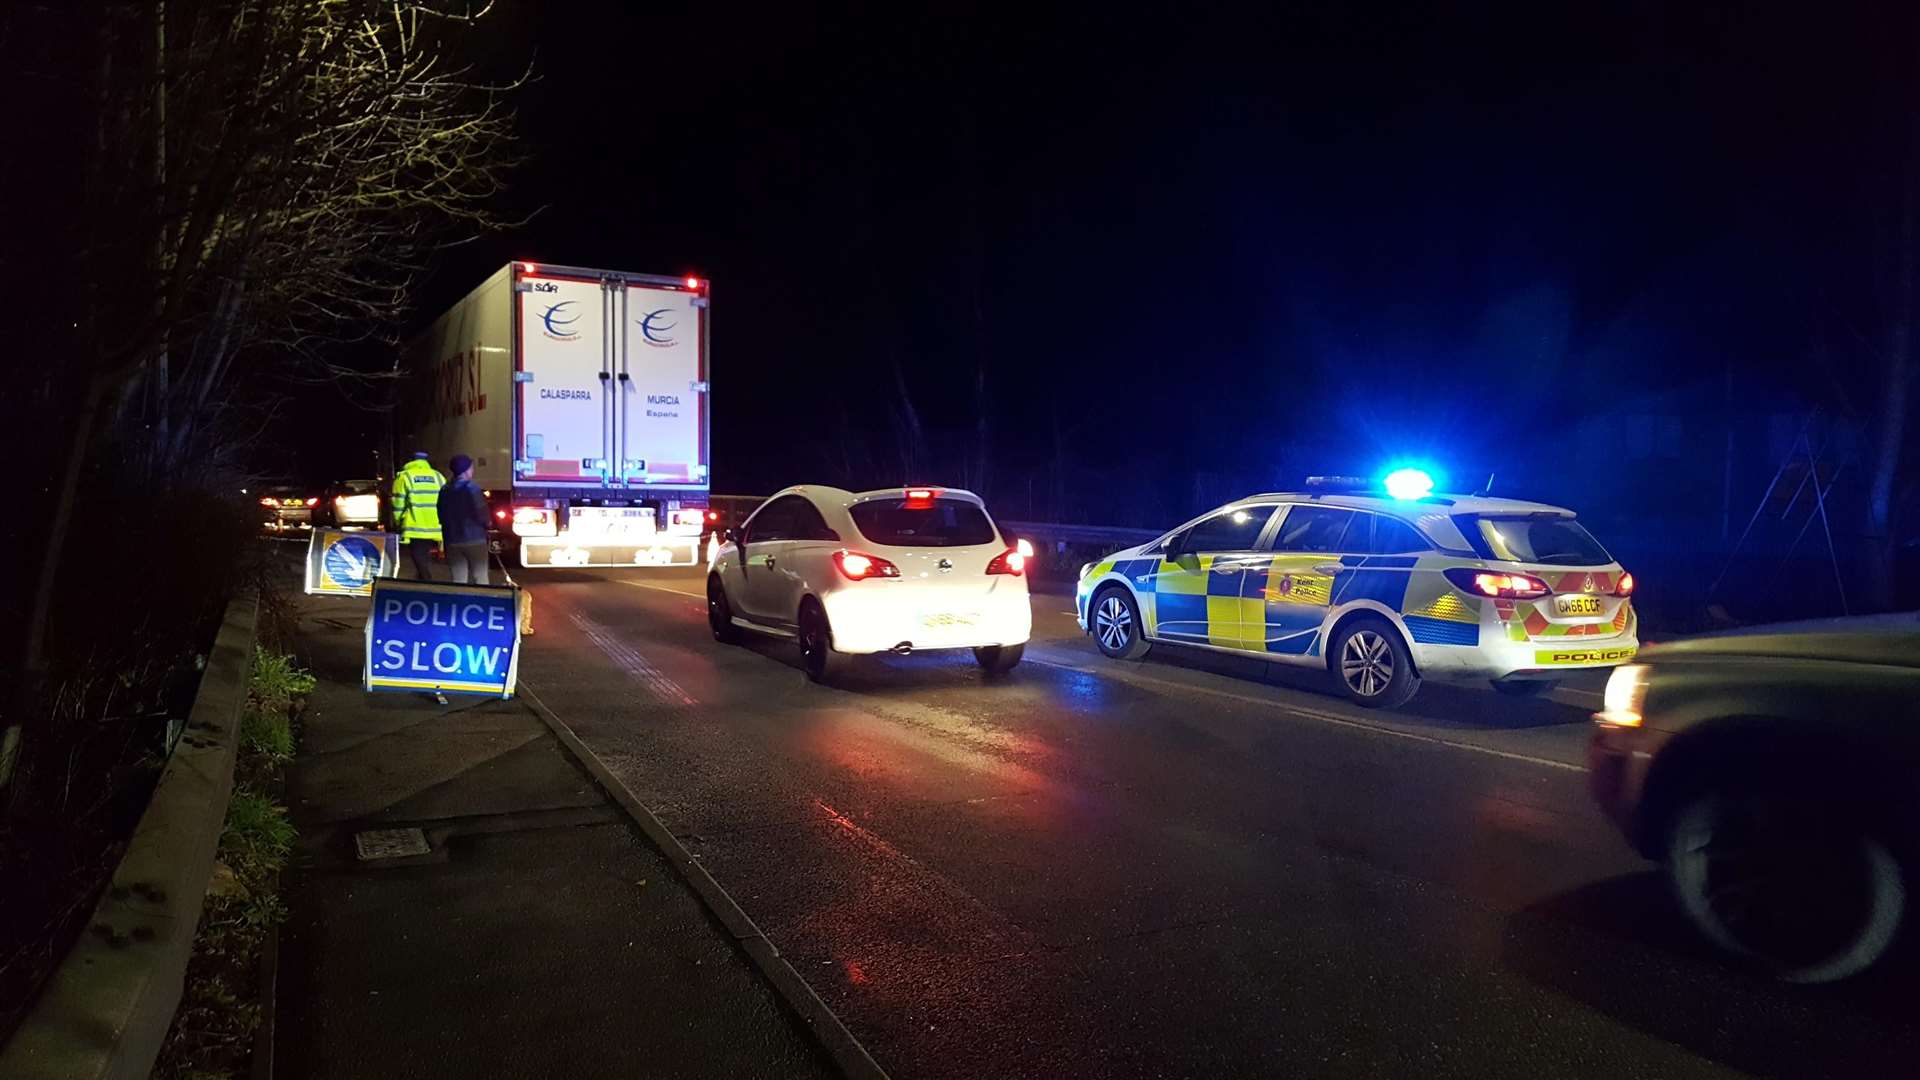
352,563
423,635
343,563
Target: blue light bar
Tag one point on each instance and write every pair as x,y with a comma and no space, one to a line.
1409,484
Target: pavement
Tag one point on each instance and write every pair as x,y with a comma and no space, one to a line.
1187,866
541,935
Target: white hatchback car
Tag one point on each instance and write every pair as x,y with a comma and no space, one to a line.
897,570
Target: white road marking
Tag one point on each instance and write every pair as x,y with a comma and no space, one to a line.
1311,714
661,588
629,660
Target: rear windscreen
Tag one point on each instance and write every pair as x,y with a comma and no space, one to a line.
1555,541
945,523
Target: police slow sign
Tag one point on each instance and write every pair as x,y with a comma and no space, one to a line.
423,635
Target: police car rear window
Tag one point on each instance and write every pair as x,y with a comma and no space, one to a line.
946,523
1550,540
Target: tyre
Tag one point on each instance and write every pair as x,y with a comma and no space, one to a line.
1114,621
999,659
1801,888
817,657
1373,665
1526,688
720,613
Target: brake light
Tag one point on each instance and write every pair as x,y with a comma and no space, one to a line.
1023,547
693,282
1623,587
919,498
313,501
1011,561
1498,585
269,500
713,515
859,566
499,515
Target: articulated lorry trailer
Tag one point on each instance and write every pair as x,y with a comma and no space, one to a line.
582,398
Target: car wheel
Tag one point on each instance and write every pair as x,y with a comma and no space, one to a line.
1114,620
1372,664
1801,888
822,664
720,613
1526,688
999,659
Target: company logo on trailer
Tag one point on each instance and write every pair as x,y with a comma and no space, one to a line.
558,324
655,330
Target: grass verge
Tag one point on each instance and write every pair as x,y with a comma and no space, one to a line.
213,1032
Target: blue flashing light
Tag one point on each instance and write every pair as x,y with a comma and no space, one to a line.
1409,484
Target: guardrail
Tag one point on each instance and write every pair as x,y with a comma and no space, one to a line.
1080,534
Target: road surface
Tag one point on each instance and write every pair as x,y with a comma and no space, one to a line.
1187,866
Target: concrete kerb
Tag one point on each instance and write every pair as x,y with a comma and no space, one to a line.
106,1011
848,1055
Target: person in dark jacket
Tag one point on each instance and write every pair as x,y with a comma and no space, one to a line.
463,524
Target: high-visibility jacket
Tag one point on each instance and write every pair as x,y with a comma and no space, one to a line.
416,501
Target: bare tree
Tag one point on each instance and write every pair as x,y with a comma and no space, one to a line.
267,179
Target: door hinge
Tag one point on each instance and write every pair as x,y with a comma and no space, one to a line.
523,286
523,376
700,301
700,386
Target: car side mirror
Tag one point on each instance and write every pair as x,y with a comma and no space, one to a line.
732,536
1173,548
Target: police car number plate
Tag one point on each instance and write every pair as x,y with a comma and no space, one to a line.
1577,605
946,619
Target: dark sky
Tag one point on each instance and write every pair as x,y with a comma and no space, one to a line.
1167,243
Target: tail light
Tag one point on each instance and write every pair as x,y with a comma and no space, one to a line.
920,498
1498,585
500,514
1011,561
269,500
315,501
534,521
1624,586
713,515
859,566
1023,547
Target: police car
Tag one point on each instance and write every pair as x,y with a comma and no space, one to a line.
1381,588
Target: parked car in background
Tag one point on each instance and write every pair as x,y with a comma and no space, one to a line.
287,508
896,570
1772,772
350,504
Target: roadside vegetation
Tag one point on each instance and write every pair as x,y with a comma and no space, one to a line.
220,1009
233,200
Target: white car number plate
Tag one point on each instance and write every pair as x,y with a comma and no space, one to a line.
949,619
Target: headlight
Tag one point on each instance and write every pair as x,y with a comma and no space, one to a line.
1626,695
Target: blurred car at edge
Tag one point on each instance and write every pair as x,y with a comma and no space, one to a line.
1772,771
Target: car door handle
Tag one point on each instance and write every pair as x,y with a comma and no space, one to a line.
769,562
1329,568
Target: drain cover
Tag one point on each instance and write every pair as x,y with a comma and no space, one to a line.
390,844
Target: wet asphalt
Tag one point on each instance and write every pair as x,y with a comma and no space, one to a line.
1187,866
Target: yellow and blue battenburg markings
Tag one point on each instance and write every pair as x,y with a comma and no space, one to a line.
1279,603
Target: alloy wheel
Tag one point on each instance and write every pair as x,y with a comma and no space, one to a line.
1113,623
1366,663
